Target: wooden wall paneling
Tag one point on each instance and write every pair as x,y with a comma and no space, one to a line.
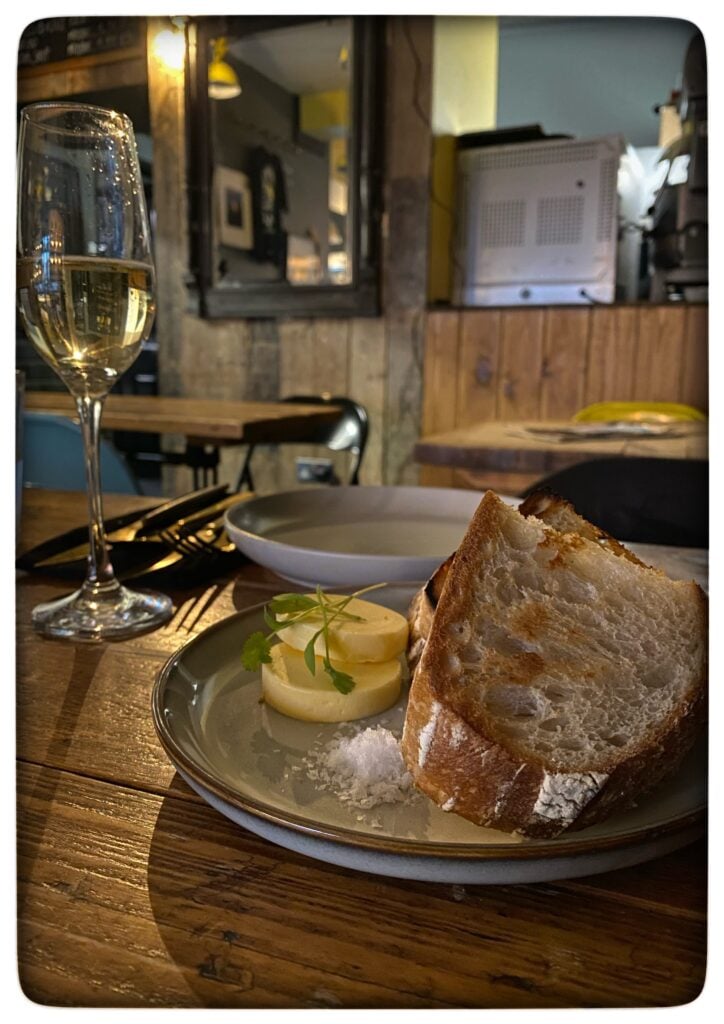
478,366
261,377
441,357
171,244
565,360
249,352
215,364
439,400
695,375
521,365
273,469
611,354
405,330
409,95
124,68
314,358
659,364
168,127
404,265
367,361
329,364
296,342
329,358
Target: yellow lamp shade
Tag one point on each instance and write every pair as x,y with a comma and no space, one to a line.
223,81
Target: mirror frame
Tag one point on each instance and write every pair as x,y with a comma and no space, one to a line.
279,298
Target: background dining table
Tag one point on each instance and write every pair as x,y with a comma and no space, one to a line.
217,421
134,892
538,447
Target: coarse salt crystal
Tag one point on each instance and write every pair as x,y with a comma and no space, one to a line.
363,770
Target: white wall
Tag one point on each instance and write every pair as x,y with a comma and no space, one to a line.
589,76
465,73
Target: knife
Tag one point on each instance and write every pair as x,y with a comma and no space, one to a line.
154,519
149,555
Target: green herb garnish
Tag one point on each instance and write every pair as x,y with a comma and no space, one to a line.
298,608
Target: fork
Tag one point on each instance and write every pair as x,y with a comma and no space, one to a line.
189,539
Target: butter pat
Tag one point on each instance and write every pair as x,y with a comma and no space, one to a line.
288,686
379,637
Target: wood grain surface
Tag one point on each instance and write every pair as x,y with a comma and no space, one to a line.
133,892
220,420
546,363
506,446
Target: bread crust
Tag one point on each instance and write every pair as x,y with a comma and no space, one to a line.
561,515
421,611
451,748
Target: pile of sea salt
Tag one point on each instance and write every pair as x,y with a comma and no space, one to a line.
363,770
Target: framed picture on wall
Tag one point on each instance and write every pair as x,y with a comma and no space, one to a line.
232,193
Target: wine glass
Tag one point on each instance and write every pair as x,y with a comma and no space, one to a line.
85,283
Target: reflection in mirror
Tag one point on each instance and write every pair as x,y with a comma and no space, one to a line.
281,129
284,164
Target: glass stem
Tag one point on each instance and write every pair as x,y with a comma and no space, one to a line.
100,575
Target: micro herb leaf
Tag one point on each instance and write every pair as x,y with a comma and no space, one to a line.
289,604
271,621
255,652
300,608
340,680
310,659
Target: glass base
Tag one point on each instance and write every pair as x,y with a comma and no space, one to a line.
102,612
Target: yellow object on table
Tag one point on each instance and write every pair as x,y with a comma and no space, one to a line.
289,687
375,634
645,412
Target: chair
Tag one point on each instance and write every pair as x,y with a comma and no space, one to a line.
53,457
649,500
347,433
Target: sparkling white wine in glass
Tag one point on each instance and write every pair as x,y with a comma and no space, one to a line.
87,317
85,286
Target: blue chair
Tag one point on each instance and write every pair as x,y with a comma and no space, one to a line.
53,457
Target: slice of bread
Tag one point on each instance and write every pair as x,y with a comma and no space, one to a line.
559,680
561,515
550,509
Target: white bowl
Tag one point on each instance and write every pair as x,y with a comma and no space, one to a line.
338,536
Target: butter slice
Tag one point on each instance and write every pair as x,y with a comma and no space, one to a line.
288,686
380,636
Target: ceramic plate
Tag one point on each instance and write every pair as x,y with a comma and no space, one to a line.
253,765
339,536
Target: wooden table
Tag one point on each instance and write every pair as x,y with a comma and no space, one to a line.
211,420
506,447
207,424
133,892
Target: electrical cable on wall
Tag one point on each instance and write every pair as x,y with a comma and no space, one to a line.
426,120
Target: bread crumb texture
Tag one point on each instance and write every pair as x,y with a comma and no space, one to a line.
558,649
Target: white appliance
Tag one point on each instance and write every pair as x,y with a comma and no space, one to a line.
537,223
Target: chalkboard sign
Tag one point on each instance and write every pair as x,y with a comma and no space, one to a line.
56,39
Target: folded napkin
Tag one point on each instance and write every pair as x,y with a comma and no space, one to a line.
613,430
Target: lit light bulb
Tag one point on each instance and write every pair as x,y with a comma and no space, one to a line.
170,48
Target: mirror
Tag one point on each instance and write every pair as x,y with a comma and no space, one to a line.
283,165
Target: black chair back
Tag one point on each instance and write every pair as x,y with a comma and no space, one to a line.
348,432
649,500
